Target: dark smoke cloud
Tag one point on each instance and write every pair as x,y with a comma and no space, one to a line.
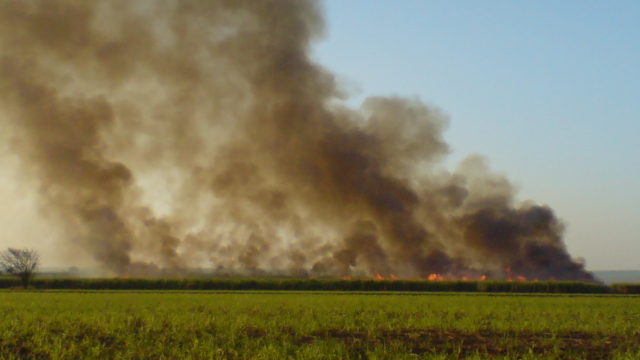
168,134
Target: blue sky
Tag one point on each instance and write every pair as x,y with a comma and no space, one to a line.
548,91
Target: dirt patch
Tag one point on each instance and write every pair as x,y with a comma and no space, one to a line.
486,342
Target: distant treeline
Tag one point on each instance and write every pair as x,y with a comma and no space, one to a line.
549,287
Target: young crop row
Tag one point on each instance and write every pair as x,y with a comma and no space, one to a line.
552,287
243,326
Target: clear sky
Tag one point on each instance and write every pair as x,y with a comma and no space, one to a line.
549,91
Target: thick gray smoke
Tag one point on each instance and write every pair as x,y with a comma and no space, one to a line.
167,134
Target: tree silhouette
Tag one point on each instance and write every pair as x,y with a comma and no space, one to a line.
22,263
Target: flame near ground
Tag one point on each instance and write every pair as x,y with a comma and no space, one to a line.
163,135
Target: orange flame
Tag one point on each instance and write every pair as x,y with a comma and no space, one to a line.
438,277
508,271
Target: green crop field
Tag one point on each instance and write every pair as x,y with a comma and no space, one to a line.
209,325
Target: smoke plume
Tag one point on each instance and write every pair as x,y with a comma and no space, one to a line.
172,134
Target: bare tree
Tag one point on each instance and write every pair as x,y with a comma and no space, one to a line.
22,263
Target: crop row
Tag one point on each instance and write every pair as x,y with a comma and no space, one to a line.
314,325
552,287
625,288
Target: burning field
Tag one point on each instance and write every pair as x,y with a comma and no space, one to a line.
166,135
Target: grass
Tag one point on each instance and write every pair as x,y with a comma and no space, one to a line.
121,325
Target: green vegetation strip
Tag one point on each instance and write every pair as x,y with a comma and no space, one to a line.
294,292
626,288
120,325
266,284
